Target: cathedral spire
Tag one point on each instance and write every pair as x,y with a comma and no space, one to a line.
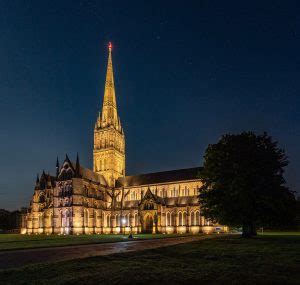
109,108
109,139
77,167
49,184
57,167
37,181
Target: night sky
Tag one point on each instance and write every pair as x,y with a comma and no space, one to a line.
186,72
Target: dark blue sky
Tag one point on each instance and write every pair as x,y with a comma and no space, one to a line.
186,72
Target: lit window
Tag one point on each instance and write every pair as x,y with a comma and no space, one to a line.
180,219
197,218
192,219
168,219
184,219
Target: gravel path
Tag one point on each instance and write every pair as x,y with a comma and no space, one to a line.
18,258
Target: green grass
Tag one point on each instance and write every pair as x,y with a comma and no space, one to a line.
270,259
268,233
17,241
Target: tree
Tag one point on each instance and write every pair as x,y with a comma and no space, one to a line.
4,219
10,220
243,183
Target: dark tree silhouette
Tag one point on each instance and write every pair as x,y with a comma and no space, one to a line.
10,220
243,184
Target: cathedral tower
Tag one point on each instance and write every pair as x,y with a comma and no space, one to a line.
109,139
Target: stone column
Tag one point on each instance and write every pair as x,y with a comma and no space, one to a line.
155,222
112,223
101,222
176,221
140,221
187,222
131,220
163,220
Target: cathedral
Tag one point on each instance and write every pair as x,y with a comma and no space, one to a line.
77,200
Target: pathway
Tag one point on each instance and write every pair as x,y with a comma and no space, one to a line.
18,258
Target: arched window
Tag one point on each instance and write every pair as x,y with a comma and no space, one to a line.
180,219
192,219
197,218
108,221
168,222
132,195
128,220
173,219
67,219
86,218
184,219
40,221
117,220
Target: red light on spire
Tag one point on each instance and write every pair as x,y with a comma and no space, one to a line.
109,45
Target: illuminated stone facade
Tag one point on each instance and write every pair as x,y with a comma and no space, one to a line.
109,139
78,200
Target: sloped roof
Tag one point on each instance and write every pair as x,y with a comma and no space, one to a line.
88,173
177,201
149,194
91,175
159,177
131,204
167,201
42,182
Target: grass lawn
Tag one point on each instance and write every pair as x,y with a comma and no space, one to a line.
228,259
269,233
17,241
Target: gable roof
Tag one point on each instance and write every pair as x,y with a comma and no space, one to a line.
159,177
169,202
150,195
83,172
42,182
93,176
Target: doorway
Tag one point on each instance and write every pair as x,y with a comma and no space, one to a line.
148,225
